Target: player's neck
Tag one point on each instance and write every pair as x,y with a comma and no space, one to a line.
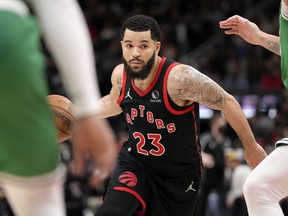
143,84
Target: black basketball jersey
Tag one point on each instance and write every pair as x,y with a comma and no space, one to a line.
162,136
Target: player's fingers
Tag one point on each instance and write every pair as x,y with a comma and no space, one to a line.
232,22
231,31
225,24
95,182
99,177
229,21
228,26
234,19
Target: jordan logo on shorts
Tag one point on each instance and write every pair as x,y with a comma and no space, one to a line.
128,178
190,187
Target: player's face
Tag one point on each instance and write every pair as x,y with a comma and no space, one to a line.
139,52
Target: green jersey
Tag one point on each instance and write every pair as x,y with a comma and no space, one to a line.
28,144
284,48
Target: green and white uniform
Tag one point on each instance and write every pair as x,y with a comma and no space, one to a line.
28,144
266,185
29,158
284,47
284,57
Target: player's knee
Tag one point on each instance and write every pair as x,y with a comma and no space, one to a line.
251,185
255,185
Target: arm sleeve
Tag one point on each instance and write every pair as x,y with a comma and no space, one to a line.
66,35
284,43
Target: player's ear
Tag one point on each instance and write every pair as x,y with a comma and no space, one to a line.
157,47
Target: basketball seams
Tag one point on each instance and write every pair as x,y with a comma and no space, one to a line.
63,112
65,132
51,105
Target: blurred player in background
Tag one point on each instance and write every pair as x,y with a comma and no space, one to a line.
159,168
30,171
267,184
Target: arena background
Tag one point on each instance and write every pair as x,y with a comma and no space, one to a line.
191,35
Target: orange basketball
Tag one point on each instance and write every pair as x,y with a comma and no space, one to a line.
63,111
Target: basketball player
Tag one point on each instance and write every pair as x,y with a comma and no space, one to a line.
267,183
159,167
30,171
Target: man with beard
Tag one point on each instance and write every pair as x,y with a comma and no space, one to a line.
159,167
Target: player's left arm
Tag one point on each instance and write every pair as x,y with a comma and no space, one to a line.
188,84
251,33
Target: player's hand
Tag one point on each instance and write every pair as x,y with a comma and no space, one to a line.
94,139
208,160
246,29
254,155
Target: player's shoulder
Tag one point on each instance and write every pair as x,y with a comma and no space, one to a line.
183,68
118,70
117,74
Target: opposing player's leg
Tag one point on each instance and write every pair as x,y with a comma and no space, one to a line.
267,184
42,195
28,147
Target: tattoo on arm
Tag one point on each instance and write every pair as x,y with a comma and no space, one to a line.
189,84
119,84
273,47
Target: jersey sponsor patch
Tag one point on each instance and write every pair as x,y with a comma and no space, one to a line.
155,97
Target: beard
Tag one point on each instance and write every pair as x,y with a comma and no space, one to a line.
143,72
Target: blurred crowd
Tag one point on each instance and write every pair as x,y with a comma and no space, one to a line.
186,25
191,34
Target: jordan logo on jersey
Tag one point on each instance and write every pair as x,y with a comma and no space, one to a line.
128,94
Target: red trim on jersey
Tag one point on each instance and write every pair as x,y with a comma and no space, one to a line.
123,88
165,95
143,93
134,193
197,139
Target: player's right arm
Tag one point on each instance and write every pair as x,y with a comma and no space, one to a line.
66,35
251,33
109,104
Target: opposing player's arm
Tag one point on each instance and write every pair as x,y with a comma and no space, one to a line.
74,56
251,33
270,42
188,84
109,103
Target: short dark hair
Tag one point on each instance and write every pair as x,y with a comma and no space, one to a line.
139,23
